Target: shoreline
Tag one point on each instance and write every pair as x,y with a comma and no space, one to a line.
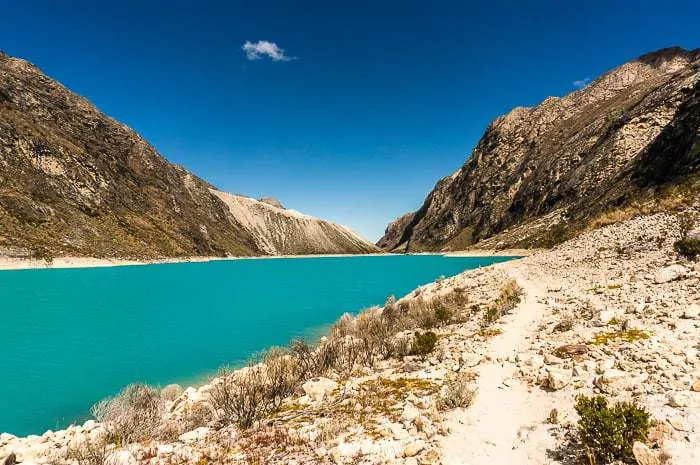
14,263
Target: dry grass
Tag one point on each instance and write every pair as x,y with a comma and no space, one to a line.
135,414
457,392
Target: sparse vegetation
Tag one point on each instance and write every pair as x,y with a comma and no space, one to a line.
627,335
688,247
457,393
506,301
91,452
135,414
608,433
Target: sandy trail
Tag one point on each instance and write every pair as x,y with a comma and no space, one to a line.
506,413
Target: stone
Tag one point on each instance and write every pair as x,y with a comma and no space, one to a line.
643,455
696,386
195,435
570,350
680,399
10,459
319,388
692,312
410,412
670,273
470,360
614,381
413,448
557,379
605,317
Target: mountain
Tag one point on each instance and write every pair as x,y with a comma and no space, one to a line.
76,182
539,175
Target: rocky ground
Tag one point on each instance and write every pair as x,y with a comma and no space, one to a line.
614,311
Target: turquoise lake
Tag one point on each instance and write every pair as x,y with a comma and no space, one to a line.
70,337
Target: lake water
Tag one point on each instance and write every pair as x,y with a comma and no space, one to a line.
70,337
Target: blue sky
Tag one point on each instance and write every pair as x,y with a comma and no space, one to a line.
369,105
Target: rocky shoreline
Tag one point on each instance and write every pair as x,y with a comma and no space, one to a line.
615,311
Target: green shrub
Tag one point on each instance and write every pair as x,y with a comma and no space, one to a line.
608,433
423,344
688,247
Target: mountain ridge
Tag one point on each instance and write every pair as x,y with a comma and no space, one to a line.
558,158
76,182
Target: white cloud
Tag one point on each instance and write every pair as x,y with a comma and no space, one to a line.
581,83
263,48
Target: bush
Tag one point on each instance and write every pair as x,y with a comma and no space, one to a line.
242,397
135,414
608,433
456,393
91,452
688,247
423,344
506,301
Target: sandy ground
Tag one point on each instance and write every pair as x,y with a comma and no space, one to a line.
13,263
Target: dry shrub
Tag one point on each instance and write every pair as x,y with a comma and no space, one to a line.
240,396
457,392
506,301
133,415
247,395
171,392
91,452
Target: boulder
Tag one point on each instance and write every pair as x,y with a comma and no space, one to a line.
692,312
670,273
319,388
195,435
557,379
413,448
643,455
605,317
570,350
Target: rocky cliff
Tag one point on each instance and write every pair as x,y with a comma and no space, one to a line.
540,174
76,182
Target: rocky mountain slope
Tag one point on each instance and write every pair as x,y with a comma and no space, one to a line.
76,182
540,174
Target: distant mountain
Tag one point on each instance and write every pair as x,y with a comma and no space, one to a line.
538,175
76,182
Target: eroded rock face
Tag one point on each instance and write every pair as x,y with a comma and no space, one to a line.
566,160
75,182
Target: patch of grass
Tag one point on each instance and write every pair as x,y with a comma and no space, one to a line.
506,301
490,332
614,286
627,335
608,433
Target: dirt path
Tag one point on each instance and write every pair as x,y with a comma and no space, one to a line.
506,414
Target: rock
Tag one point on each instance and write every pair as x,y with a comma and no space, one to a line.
643,455
470,359
413,448
670,273
605,316
318,389
571,350
410,412
696,386
557,379
692,312
550,359
681,399
10,460
195,435
614,381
